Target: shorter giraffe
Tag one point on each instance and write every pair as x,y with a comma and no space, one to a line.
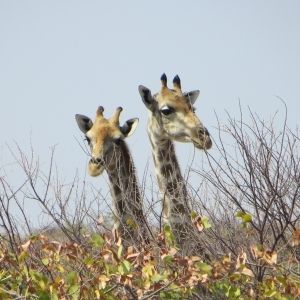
172,118
109,152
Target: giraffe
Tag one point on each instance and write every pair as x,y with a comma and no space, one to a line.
172,118
110,152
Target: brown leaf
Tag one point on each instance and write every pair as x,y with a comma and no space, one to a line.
26,245
268,256
296,238
132,256
100,220
256,252
247,272
172,251
241,260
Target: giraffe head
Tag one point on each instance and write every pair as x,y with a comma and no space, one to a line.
173,110
103,136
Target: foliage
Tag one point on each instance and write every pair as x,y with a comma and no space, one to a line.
100,268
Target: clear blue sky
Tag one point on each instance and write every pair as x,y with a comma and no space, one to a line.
59,58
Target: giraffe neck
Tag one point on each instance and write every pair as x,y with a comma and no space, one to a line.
125,192
171,183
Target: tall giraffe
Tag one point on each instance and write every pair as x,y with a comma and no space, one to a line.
172,118
110,152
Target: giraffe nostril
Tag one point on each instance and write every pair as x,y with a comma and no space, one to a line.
206,131
97,161
203,131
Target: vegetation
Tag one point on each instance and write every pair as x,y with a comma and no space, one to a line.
246,211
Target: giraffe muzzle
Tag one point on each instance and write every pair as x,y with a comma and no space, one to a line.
203,140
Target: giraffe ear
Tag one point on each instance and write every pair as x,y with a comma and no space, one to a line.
84,123
129,127
191,96
146,97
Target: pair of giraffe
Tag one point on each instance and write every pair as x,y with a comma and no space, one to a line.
171,118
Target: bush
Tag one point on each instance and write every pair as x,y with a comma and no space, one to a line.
247,218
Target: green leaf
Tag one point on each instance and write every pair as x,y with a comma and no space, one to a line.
205,222
54,297
270,293
131,223
234,292
74,291
167,228
23,255
204,268
4,276
127,266
157,277
124,267
194,214
97,240
148,270
40,279
45,261
245,218
44,296
72,278
170,238
88,261
120,250
168,259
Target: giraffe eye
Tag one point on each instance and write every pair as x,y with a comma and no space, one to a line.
167,110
